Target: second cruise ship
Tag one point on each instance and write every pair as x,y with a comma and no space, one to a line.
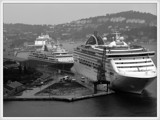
46,52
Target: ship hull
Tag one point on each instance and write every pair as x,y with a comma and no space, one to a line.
117,82
56,64
86,71
130,84
63,66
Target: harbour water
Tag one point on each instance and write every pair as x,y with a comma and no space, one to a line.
113,105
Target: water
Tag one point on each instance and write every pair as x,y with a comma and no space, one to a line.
114,105
108,106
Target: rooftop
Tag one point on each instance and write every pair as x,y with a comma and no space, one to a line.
15,84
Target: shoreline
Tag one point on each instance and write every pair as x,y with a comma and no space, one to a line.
57,98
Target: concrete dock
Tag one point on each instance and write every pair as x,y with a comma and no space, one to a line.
38,94
57,98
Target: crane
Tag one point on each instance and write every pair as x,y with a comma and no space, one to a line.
101,78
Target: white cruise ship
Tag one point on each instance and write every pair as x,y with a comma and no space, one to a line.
129,68
58,57
46,52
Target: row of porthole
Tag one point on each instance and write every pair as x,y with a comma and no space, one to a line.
134,66
88,63
95,66
132,62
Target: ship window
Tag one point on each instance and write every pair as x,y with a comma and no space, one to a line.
133,62
134,66
91,41
131,55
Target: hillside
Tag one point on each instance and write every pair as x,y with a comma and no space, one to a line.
123,21
134,25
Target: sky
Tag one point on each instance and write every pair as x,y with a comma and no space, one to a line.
54,13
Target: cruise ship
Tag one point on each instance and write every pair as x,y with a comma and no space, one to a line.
46,52
58,57
128,68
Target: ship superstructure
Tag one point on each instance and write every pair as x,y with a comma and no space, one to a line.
128,67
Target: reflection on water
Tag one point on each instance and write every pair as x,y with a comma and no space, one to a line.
114,105
124,104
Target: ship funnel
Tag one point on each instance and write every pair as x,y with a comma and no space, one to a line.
45,48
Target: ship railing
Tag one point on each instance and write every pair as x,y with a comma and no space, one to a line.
142,54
